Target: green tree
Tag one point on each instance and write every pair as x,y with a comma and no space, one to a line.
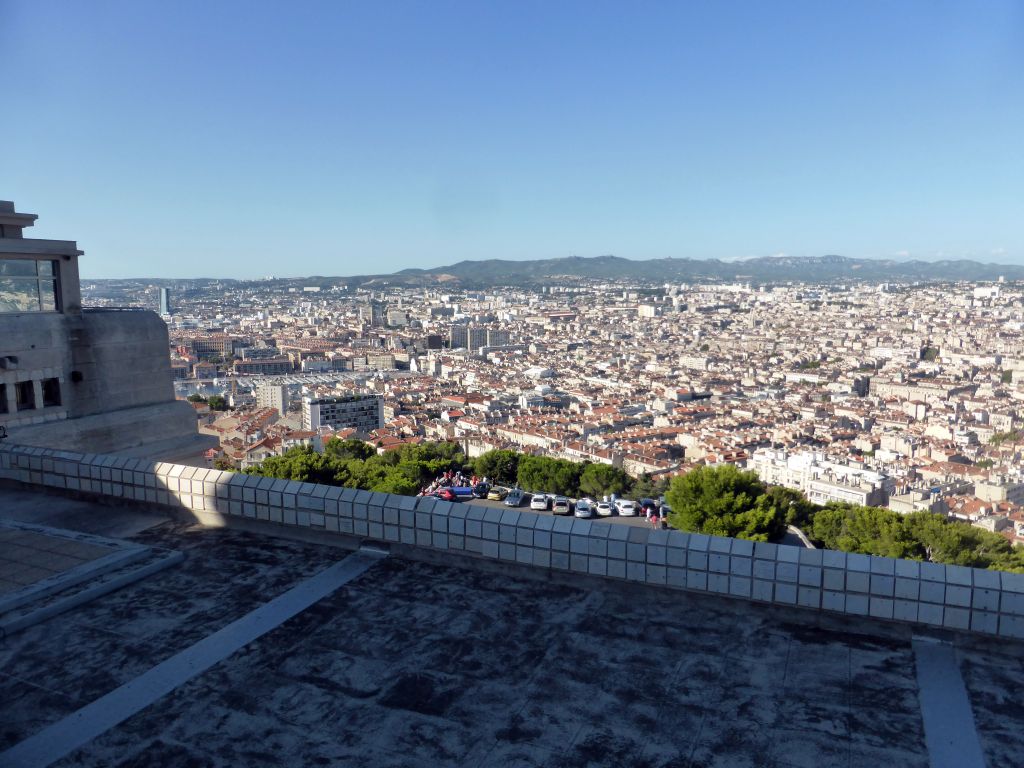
217,403
544,474
1006,377
603,480
647,487
725,502
348,449
196,399
501,466
798,510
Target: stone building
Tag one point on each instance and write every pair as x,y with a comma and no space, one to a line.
95,380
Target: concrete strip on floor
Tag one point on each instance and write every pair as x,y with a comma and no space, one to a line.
950,732
92,720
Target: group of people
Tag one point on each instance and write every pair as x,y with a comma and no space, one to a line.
452,479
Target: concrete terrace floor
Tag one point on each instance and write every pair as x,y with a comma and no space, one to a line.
414,664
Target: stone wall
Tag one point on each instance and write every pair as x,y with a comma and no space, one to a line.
929,594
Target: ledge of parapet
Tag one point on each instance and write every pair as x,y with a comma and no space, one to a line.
860,587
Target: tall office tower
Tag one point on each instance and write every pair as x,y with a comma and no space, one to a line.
458,337
477,337
497,337
165,301
361,412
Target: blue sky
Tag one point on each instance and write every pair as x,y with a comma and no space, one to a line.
241,139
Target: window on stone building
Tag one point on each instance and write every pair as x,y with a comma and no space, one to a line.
27,285
3,398
51,392
25,394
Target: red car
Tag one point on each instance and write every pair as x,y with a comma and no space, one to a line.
446,495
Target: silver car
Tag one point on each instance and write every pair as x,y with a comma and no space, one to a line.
515,497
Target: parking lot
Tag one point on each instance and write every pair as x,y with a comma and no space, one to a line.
525,507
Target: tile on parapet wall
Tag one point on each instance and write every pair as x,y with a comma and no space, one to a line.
597,547
907,589
1012,582
932,592
718,562
958,595
985,579
492,515
787,554
739,586
697,580
933,572
858,562
810,556
1011,626
908,569
832,600
880,607
832,558
658,538
985,599
657,555
638,535
679,539
718,582
618,532
406,502
742,547
562,525
959,574
719,544
740,566
600,532
509,517
984,621
424,504
580,527
956,618
544,523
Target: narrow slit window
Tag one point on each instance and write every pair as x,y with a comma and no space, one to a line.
51,392
3,398
26,395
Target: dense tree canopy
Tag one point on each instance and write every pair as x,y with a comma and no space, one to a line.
500,466
547,475
603,480
725,502
354,464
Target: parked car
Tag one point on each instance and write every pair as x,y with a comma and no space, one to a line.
560,506
584,508
462,491
625,507
604,508
539,501
480,490
515,497
649,504
497,493
445,494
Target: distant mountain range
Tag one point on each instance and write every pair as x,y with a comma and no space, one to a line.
765,269
769,269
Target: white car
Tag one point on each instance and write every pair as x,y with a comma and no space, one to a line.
560,505
625,507
584,508
539,502
604,508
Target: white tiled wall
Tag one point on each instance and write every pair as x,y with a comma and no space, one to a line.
947,596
